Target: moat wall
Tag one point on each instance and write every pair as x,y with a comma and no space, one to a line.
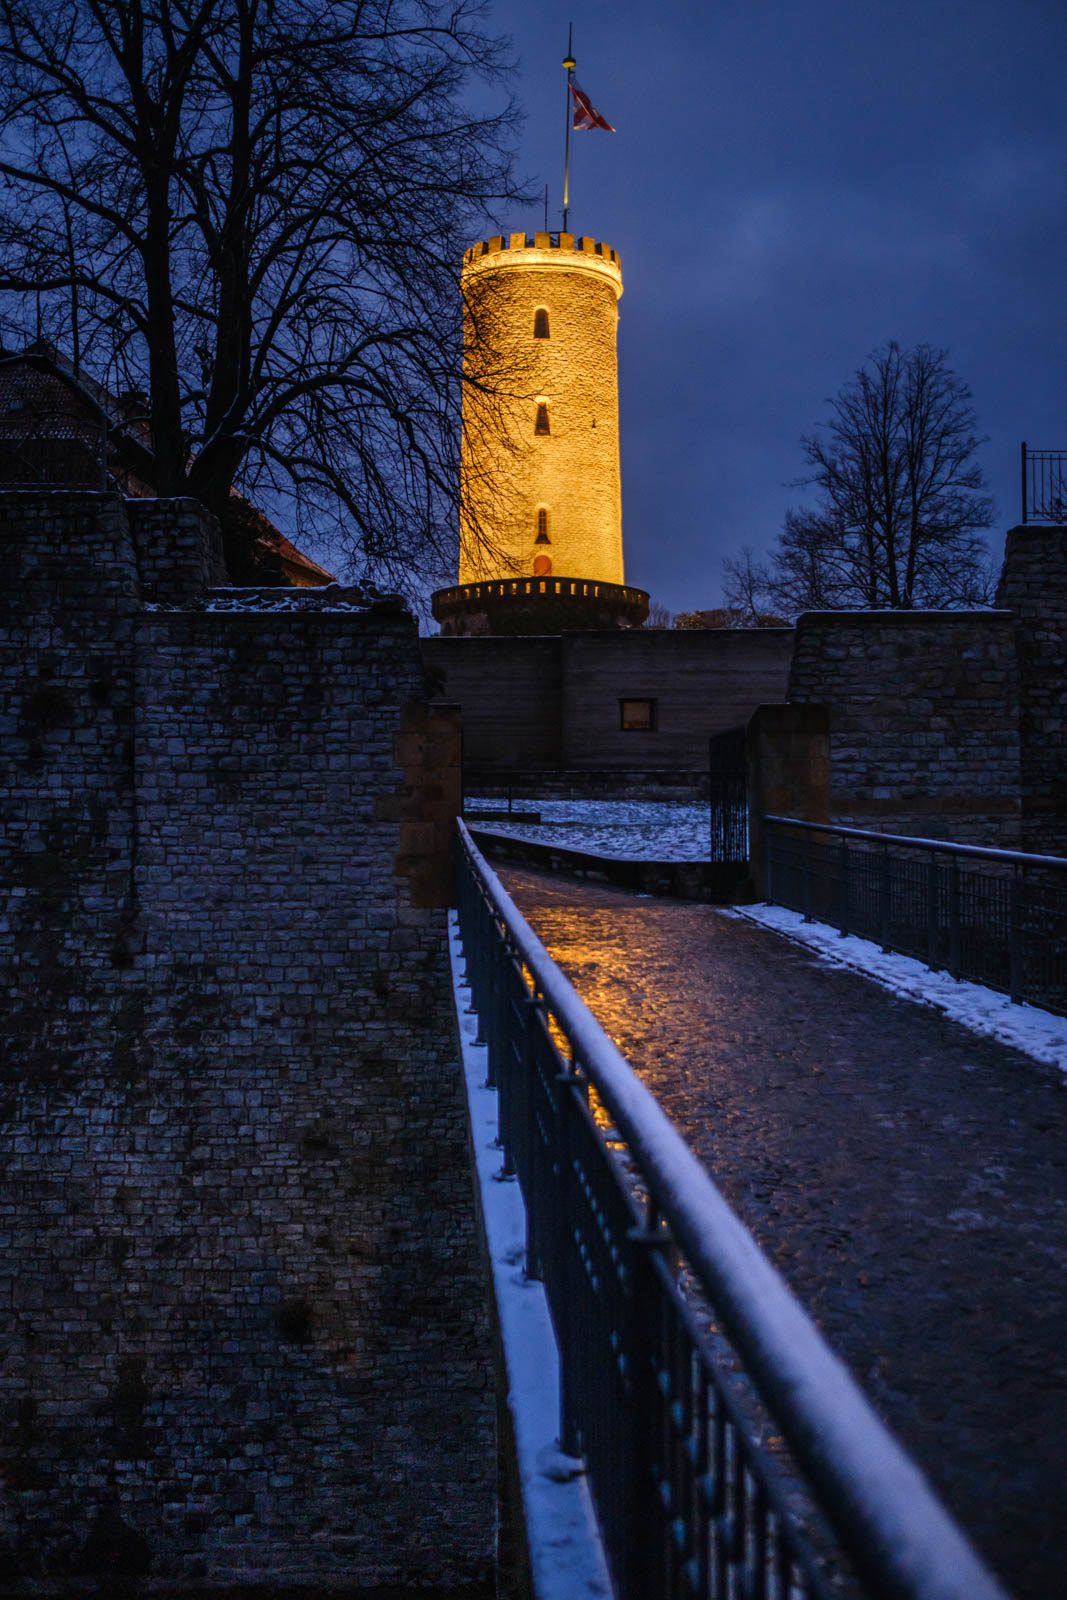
923,713
950,724
244,1329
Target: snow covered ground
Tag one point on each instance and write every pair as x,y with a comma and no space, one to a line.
636,830
1039,1034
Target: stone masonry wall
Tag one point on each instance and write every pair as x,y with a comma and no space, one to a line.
68,618
243,1305
923,717
178,547
1034,584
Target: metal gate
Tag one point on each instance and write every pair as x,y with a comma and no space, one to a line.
729,796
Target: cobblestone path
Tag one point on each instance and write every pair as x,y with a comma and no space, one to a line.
908,1178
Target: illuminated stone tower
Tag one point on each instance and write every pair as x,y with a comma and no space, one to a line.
541,515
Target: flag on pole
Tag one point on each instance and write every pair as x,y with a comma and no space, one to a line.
586,114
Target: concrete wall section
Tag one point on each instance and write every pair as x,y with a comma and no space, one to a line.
924,713
702,682
553,702
511,694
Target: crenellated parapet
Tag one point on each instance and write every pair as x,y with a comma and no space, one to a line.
575,252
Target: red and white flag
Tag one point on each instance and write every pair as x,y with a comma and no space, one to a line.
586,114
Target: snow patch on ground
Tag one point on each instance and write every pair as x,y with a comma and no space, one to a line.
633,830
1038,1034
566,1554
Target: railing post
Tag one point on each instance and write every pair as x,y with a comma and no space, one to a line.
933,939
1024,478
477,965
842,888
883,899
537,1200
809,875
954,916
769,862
1016,962
570,1439
495,1040
647,1507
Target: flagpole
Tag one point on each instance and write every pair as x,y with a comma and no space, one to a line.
570,65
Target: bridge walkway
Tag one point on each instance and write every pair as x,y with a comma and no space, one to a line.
907,1177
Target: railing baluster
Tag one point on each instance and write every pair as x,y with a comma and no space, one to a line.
954,917
1017,972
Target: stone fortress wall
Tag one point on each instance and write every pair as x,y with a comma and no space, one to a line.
510,472
923,712
949,724
244,1330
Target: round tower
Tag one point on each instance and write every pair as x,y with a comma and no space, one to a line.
540,493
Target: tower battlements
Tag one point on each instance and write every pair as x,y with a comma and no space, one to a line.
577,253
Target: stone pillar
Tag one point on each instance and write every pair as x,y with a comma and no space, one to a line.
1033,584
427,802
788,773
179,550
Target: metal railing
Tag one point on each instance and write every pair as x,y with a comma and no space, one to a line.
995,917
1044,485
619,1210
728,788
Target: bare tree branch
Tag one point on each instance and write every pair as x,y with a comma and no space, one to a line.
260,206
902,500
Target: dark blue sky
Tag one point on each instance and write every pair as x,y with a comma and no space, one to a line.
792,185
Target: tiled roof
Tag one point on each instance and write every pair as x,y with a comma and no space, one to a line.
56,425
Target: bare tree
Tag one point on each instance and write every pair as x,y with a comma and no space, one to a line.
903,501
258,208
659,615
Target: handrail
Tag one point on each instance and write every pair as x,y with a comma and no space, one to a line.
900,1539
1022,858
1044,485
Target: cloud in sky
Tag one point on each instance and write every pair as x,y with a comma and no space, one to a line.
790,187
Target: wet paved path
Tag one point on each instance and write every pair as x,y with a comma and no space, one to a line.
908,1178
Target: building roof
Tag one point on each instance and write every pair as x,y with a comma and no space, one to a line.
62,429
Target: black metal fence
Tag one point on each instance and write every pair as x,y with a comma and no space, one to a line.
995,917
1044,485
729,796
617,1208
